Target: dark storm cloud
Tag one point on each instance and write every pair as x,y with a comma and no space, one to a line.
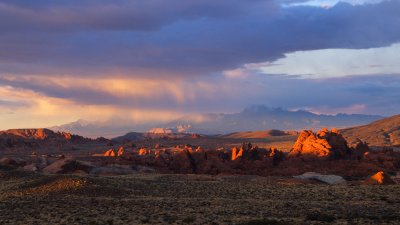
195,41
70,15
160,38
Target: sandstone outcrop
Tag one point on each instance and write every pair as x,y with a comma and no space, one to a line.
110,153
276,155
120,151
38,139
324,143
236,153
144,151
40,134
381,178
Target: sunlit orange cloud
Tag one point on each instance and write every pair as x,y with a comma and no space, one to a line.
176,89
38,110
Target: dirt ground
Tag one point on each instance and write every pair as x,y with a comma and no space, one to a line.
32,198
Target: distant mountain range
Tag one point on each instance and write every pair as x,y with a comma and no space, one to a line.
256,117
108,129
259,117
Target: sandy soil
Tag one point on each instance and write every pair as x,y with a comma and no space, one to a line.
28,198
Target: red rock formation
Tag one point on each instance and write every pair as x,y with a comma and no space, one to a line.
361,147
381,178
37,134
181,163
143,151
253,153
236,154
38,139
323,144
120,151
276,155
110,153
67,136
195,136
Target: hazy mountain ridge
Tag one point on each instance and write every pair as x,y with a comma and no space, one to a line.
94,129
260,117
256,117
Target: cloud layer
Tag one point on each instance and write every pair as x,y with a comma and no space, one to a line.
176,37
173,57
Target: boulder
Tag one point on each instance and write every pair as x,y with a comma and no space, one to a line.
324,143
30,167
328,179
68,165
381,178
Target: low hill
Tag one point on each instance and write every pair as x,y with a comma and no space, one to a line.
131,136
259,134
385,132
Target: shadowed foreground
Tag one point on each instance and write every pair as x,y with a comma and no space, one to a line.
27,198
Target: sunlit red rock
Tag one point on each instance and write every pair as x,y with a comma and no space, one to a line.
381,178
144,151
110,153
236,154
324,143
120,151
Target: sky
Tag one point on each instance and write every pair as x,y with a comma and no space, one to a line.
157,60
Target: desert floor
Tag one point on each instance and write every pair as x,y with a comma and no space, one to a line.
29,198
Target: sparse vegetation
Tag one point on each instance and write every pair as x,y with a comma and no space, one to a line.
263,222
319,216
29,198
